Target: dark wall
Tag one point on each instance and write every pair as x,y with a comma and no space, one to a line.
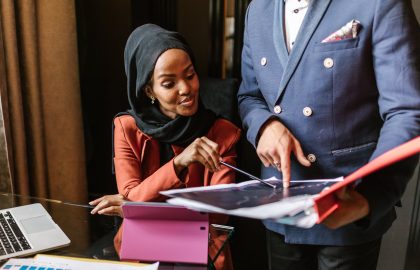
193,22
103,27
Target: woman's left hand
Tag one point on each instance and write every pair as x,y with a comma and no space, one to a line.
109,205
352,207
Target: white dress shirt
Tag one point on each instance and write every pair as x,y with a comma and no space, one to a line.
294,13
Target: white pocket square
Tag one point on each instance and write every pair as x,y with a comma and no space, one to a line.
350,30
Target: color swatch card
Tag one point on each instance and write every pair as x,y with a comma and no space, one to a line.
31,264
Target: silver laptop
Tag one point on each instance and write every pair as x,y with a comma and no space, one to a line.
28,229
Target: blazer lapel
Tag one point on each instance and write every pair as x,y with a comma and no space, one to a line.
278,32
314,15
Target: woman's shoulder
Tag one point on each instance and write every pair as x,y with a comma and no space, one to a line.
224,132
222,123
127,124
125,121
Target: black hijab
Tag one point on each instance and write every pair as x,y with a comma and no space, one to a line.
143,48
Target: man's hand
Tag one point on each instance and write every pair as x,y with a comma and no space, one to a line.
352,206
275,145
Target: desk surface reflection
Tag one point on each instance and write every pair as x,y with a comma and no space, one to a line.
91,235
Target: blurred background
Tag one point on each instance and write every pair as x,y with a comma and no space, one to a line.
62,82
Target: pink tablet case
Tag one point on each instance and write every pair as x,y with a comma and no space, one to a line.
163,232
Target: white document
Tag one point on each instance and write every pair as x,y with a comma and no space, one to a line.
52,262
93,264
251,199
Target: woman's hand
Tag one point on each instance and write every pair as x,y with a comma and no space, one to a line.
109,205
352,206
275,145
201,150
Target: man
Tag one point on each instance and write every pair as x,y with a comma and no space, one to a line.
326,87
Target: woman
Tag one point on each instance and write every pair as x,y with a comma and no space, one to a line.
167,139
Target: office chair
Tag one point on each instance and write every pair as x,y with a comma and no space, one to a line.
219,95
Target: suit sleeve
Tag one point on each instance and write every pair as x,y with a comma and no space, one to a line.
131,181
396,52
253,108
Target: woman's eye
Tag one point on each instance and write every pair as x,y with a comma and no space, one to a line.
168,85
191,76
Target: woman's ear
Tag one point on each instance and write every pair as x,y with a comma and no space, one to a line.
149,93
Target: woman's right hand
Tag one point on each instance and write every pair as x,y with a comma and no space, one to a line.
109,205
201,150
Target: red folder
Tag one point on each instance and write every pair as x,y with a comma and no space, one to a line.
326,202
163,232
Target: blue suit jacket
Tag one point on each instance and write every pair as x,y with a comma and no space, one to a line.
365,103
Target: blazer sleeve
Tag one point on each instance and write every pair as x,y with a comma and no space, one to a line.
396,53
253,108
227,136
131,180
224,176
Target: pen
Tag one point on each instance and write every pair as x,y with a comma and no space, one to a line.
50,200
247,174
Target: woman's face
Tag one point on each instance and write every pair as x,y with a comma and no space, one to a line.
175,84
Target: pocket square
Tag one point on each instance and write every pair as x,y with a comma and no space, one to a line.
350,30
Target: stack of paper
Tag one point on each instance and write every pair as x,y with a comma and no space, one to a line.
251,199
51,262
303,204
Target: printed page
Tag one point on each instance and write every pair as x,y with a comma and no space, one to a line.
251,199
74,263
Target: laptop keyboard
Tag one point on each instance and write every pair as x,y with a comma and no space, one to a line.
11,237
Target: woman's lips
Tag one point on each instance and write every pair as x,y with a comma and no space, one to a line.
188,101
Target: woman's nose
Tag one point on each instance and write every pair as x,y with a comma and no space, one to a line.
184,88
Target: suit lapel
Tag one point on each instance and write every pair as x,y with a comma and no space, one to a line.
314,15
278,32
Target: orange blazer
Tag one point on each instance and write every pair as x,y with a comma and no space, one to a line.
140,177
